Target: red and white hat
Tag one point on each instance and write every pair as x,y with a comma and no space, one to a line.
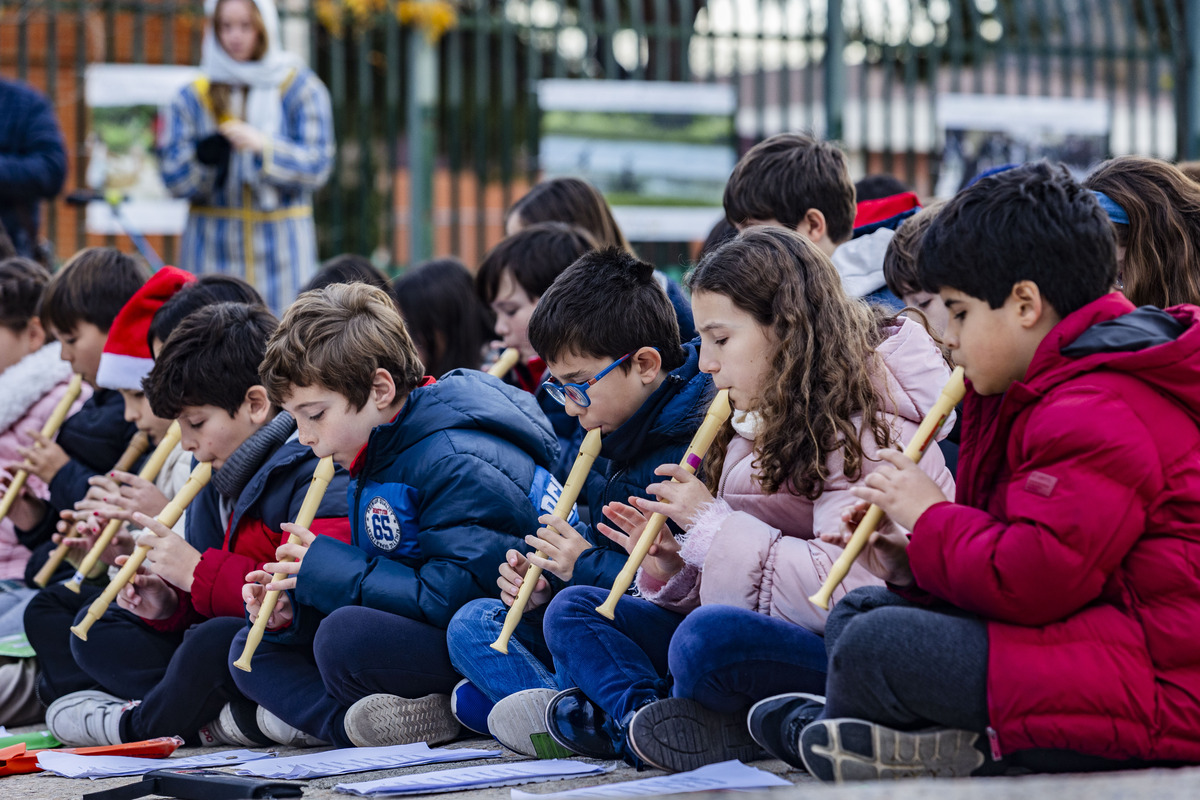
126,358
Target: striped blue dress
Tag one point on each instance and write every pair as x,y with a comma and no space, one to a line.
228,230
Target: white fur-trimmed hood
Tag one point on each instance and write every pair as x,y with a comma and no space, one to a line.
28,381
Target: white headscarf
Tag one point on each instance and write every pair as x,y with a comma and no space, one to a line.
263,78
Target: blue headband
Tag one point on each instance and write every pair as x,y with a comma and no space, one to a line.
1115,212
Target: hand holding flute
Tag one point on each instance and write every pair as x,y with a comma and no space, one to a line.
169,516
588,451
718,414
149,472
57,417
137,445
322,475
912,483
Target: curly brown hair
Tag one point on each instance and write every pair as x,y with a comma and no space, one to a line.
823,366
1162,239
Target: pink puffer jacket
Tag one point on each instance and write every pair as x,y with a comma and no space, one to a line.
29,391
761,552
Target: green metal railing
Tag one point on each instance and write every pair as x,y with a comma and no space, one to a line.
454,155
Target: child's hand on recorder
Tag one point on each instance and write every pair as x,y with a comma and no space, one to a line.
147,595
680,499
289,556
253,593
900,488
561,545
662,560
886,553
170,554
512,575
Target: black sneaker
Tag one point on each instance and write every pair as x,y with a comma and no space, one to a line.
582,727
839,750
775,723
679,735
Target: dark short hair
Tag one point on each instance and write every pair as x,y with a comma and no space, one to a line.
900,259
535,256
879,186
605,305
720,233
784,176
443,314
22,282
1033,222
206,290
347,268
92,287
573,201
210,359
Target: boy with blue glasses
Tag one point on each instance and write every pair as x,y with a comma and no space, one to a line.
610,340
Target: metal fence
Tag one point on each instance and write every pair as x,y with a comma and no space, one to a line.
447,134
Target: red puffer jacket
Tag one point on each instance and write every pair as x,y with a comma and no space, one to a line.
1077,533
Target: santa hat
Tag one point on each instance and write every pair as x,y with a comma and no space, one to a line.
126,358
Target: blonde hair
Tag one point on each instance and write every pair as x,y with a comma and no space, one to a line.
336,338
822,369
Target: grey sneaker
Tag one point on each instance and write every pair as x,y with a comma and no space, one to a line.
383,719
679,735
519,723
839,750
225,730
279,731
87,719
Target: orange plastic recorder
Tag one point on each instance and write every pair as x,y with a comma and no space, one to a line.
322,475
149,472
137,446
48,430
952,395
168,516
718,413
508,359
562,509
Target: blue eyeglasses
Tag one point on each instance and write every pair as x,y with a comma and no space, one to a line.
578,391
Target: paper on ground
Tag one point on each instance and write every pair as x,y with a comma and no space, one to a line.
449,780
359,759
714,777
73,765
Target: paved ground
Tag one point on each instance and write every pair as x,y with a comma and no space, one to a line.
1156,784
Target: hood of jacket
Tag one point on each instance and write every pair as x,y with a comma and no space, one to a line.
912,371
467,400
860,262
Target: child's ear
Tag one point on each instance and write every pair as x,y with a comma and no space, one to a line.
258,404
36,333
1031,308
813,226
648,363
383,389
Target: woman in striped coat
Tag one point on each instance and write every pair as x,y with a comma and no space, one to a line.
247,144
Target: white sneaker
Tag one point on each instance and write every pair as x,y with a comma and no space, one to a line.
87,719
225,730
279,731
519,723
384,719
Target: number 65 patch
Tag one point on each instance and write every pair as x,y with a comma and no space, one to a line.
382,527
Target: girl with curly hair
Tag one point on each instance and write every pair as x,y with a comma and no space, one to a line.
820,382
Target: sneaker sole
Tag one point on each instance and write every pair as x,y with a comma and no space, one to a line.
680,735
384,719
840,750
65,707
519,723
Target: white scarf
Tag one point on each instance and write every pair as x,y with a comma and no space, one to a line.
263,78
746,423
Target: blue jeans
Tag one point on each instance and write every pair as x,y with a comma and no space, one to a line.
356,652
728,658
619,664
528,664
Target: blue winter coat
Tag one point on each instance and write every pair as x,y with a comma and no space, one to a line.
437,498
658,433
33,160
